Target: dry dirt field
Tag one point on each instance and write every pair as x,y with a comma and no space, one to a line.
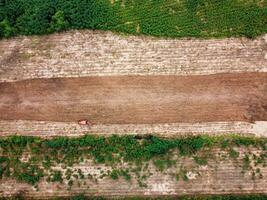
135,84
137,99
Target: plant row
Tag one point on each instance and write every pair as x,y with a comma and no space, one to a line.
168,18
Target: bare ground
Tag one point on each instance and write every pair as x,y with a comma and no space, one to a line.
49,129
95,53
138,100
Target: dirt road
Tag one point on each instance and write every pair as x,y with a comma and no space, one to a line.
138,99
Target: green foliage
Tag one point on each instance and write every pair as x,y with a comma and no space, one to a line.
183,174
27,173
126,175
225,143
70,183
114,174
57,176
261,159
233,154
5,29
110,151
246,162
163,164
58,22
168,18
201,160
81,175
34,18
79,197
190,145
68,174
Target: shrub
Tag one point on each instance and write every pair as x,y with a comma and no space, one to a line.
233,154
5,29
57,177
201,160
58,22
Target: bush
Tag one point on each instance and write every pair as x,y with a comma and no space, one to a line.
57,177
5,29
58,22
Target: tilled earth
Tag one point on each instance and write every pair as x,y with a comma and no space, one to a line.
97,53
137,99
131,84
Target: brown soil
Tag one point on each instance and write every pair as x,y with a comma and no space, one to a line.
137,99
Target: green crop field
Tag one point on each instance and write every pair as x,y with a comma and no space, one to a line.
167,18
111,151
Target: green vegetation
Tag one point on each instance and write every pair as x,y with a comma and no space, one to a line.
168,18
201,160
57,176
233,153
115,173
28,159
246,162
163,163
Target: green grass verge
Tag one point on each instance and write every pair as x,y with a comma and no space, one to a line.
167,18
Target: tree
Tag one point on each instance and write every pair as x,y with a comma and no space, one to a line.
58,22
5,29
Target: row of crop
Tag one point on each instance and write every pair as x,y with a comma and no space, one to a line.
186,18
